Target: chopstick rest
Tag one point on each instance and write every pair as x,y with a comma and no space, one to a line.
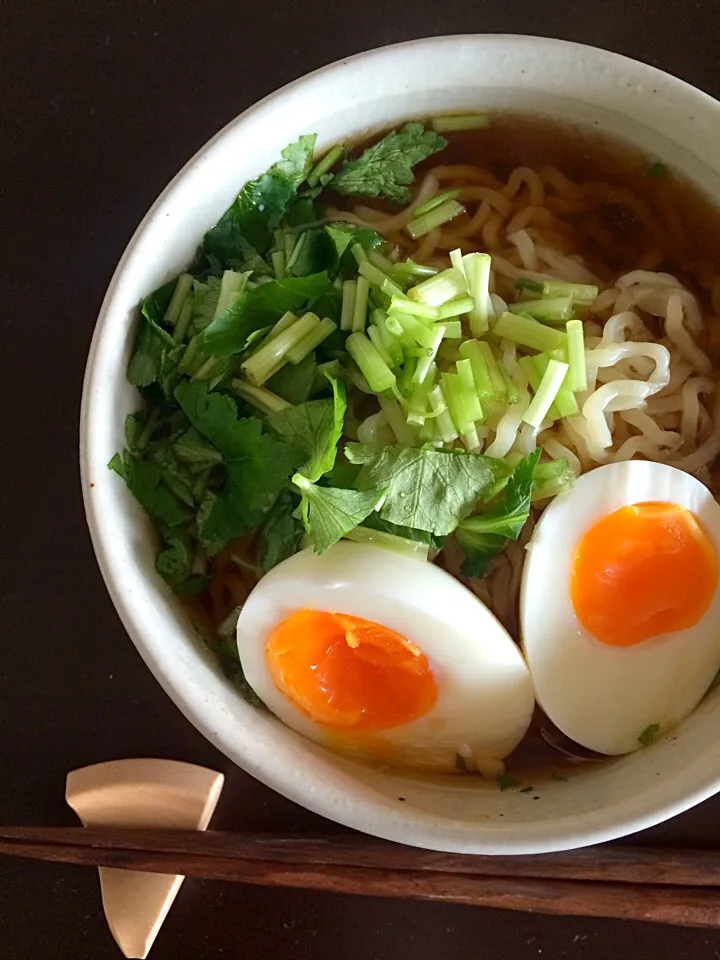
141,793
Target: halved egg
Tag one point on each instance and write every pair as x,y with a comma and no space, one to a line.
620,607
384,656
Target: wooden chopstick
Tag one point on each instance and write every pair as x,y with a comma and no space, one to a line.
663,885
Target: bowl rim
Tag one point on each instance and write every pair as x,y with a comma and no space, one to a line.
434,831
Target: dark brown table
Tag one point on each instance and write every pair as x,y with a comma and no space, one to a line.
103,101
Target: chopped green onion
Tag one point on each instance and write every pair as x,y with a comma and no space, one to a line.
401,545
391,289
511,389
231,286
358,251
656,170
382,263
416,309
547,391
552,310
565,404
411,269
405,377
460,121
415,329
278,263
288,244
445,427
259,397
435,202
182,288
578,292
577,375
311,340
455,308
493,368
404,433
392,345
285,321
361,304
467,381
296,250
461,407
446,211
190,360
372,274
372,366
552,478
425,363
528,333
439,289
456,259
323,165
373,332
471,350
183,320
273,353
209,369
349,292
453,329
477,271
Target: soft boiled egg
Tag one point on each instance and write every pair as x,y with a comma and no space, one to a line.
620,607
384,656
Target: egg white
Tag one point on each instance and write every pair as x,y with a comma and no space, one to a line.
604,697
485,698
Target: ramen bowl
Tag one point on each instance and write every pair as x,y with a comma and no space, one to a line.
648,110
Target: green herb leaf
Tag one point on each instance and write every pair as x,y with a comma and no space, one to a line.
174,563
344,236
657,170
258,307
649,734
258,465
175,474
294,382
429,490
144,366
260,206
281,534
385,169
505,782
484,535
144,479
314,428
192,448
328,513
315,253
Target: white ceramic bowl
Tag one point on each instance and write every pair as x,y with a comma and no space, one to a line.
662,115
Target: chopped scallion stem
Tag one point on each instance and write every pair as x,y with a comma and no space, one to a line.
190,359
446,211
278,263
445,427
405,305
361,304
453,329
435,202
511,389
528,333
471,350
373,332
372,274
323,165
493,368
259,397
349,291
578,292
285,321
469,393
358,251
565,404
437,290
551,310
547,391
577,375
415,329
460,121
377,373
462,406
391,289
426,364
455,308
477,271
381,262
231,286
183,320
411,269
296,250
182,288
392,345
311,340
264,362
456,259
401,545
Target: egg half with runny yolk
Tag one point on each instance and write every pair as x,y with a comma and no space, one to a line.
620,607
384,656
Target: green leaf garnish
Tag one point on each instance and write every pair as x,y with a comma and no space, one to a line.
385,169
649,734
314,428
505,782
484,535
281,534
329,513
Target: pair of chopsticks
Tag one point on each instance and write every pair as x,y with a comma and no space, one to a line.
674,886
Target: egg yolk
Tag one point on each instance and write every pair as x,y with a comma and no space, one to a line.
348,673
643,570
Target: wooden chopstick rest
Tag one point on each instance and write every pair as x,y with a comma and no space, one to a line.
141,793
